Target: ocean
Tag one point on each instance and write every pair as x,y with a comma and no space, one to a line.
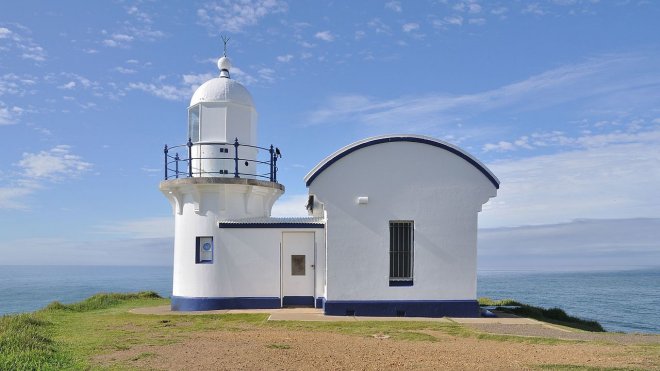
627,301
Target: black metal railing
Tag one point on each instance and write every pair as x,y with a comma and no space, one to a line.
193,165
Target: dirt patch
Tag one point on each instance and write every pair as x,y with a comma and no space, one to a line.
548,331
264,348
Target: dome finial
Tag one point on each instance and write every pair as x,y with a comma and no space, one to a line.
223,63
225,40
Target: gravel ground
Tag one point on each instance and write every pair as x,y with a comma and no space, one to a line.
280,349
550,332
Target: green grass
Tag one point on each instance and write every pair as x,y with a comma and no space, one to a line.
26,344
550,315
488,302
566,367
101,301
70,336
278,346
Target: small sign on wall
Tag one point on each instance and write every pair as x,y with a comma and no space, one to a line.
204,250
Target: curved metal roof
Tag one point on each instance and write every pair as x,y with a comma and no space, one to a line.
328,161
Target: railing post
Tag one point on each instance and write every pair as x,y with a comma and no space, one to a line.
176,165
236,158
165,151
275,169
271,161
189,144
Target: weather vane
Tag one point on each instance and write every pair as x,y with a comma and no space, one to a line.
225,40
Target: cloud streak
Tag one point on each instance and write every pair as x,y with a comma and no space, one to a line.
236,16
38,170
615,177
594,79
576,245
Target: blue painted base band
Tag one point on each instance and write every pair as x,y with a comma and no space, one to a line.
298,300
403,308
320,301
182,303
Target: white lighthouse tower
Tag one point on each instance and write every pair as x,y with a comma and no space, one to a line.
219,174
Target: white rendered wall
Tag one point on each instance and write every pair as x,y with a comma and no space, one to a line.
240,267
246,263
439,190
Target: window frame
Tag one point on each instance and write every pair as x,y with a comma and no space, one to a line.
401,252
195,138
198,251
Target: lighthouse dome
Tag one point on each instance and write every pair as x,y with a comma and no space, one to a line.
222,88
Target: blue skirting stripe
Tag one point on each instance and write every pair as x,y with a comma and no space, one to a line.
182,303
320,301
403,308
298,300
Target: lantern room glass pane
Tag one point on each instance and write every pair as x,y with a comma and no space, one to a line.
193,123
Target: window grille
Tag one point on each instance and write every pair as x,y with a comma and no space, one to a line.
401,252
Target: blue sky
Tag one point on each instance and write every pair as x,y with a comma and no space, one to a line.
561,99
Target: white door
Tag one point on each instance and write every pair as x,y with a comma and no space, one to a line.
298,262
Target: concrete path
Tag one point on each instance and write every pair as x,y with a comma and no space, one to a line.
312,314
505,325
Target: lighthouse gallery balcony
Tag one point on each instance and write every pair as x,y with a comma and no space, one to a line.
221,160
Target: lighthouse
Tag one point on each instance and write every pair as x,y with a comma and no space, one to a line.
391,227
220,173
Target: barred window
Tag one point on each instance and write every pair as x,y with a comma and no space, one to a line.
401,252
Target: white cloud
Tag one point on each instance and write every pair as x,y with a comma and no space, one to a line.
54,165
325,36
394,6
454,20
604,81
408,27
12,84
156,227
137,28
165,91
379,26
501,11
236,16
68,86
618,180
12,198
19,43
534,8
118,40
284,58
4,33
62,251
575,245
39,169
293,205
500,146
124,70
188,83
9,116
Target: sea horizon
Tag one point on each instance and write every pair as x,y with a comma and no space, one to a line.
603,295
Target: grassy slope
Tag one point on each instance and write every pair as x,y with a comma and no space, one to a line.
69,336
550,315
